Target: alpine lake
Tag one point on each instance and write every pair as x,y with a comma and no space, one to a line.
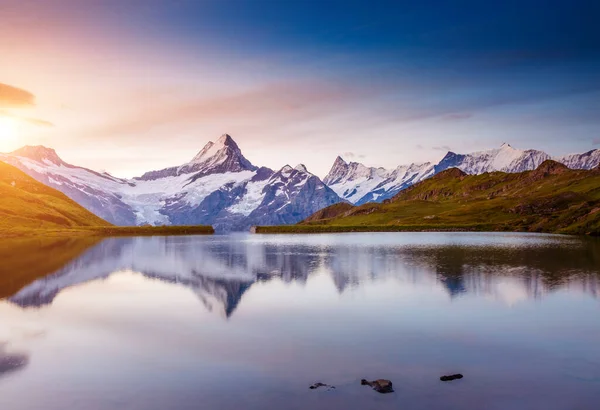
246,321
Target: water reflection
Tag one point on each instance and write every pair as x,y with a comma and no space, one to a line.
11,362
121,323
220,269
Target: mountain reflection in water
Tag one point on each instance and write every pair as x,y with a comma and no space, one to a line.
220,269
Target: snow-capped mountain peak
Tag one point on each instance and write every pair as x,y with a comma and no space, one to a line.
215,158
219,187
38,153
505,159
212,149
587,160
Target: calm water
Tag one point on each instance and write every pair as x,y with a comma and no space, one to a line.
249,322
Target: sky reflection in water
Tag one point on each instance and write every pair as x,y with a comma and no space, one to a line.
251,321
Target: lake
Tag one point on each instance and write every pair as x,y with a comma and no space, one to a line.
251,321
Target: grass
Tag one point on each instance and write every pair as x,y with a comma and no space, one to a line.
30,208
551,199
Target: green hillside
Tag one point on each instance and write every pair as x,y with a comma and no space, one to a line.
28,207
27,204
552,198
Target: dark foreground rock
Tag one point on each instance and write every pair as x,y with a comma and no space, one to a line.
451,377
379,385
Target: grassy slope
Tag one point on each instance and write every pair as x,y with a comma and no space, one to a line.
552,198
28,207
28,204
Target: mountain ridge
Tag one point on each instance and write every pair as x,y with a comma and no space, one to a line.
358,188
218,187
551,198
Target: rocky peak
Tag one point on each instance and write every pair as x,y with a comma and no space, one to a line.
218,157
337,171
38,153
301,168
225,145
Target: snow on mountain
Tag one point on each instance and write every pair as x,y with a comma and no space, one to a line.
401,178
215,158
218,187
360,184
291,193
505,159
352,181
587,160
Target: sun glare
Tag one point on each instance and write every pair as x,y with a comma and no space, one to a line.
9,130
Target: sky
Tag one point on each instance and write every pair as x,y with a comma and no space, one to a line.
127,86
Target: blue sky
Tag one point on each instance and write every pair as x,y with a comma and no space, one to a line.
129,86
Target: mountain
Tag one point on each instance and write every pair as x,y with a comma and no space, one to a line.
587,160
504,159
26,203
359,184
218,187
215,158
551,198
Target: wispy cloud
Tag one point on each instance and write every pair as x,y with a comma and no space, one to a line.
441,148
30,120
352,155
264,106
11,96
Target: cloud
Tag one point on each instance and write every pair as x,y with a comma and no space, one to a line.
444,148
15,97
352,155
269,105
596,141
37,121
30,120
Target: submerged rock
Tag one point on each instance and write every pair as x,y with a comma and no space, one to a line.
317,385
451,377
379,385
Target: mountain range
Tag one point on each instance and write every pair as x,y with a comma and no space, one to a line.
552,198
220,187
359,184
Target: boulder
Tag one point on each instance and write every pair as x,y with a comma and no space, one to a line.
379,385
451,377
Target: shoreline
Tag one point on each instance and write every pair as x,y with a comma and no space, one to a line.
110,231
317,229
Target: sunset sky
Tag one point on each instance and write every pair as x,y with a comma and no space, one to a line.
133,85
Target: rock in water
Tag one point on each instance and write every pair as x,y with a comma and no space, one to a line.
379,385
317,385
451,377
